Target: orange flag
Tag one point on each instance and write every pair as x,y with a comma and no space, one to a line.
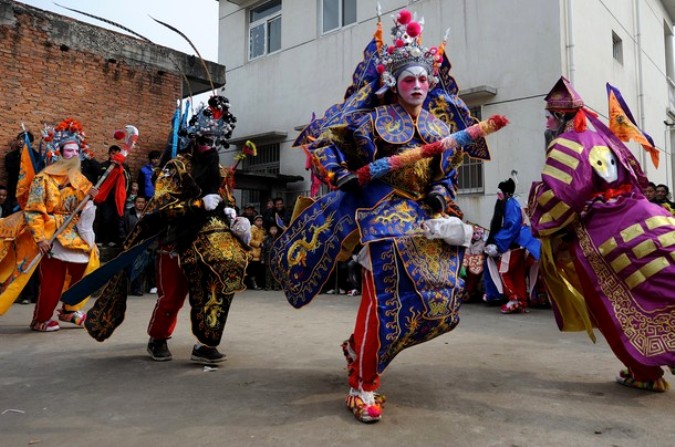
26,173
623,125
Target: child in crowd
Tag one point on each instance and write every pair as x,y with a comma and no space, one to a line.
272,234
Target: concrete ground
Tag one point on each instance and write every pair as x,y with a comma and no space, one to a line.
497,380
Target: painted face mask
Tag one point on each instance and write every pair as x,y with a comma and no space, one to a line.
413,85
604,163
70,150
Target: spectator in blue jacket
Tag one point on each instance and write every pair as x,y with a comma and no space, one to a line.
145,186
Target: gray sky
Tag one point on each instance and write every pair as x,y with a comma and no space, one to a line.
197,19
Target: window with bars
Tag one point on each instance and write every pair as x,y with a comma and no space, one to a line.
264,29
470,173
337,13
266,162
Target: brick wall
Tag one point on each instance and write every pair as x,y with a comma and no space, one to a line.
48,73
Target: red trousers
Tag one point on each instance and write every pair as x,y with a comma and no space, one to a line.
513,271
52,278
172,289
363,370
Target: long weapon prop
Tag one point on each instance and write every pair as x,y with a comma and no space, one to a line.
134,33
201,59
385,165
129,143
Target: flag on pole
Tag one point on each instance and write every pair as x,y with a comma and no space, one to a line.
28,167
623,125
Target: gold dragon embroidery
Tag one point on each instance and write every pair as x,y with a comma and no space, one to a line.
297,254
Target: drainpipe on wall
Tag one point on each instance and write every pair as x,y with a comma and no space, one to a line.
640,82
570,42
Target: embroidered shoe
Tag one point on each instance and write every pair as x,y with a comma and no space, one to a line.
158,350
625,378
45,326
513,307
206,355
76,316
364,406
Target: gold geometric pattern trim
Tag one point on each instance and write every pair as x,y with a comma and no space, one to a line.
668,239
630,233
607,246
545,197
557,174
644,248
620,263
650,333
558,210
545,218
569,144
652,268
564,158
657,221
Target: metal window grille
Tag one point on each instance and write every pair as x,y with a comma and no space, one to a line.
266,162
470,173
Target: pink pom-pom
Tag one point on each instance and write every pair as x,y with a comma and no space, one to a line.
374,411
119,134
399,43
390,50
413,29
380,68
404,17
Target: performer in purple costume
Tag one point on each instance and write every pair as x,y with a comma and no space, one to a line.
608,254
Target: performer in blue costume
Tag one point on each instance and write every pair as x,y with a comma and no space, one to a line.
390,152
513,252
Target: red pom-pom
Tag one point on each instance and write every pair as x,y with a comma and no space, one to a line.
399,43
119,135
390,50
404,17
413,29
380,68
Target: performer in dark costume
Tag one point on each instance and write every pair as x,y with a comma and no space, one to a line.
199,255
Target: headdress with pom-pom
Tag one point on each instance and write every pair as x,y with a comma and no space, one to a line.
67,131
213,119
406,51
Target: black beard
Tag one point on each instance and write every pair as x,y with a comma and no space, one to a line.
206,171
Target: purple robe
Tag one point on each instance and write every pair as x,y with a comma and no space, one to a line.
621,247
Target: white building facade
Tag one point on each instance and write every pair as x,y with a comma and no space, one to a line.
287,59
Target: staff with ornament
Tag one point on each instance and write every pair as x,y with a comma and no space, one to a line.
390,152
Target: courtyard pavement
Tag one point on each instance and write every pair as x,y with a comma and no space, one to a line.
497,380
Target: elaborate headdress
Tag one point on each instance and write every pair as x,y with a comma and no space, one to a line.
563,98
67,131
406,50
213,120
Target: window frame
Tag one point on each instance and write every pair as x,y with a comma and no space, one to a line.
341,24
265,22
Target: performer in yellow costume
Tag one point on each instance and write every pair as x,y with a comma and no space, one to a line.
53,195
